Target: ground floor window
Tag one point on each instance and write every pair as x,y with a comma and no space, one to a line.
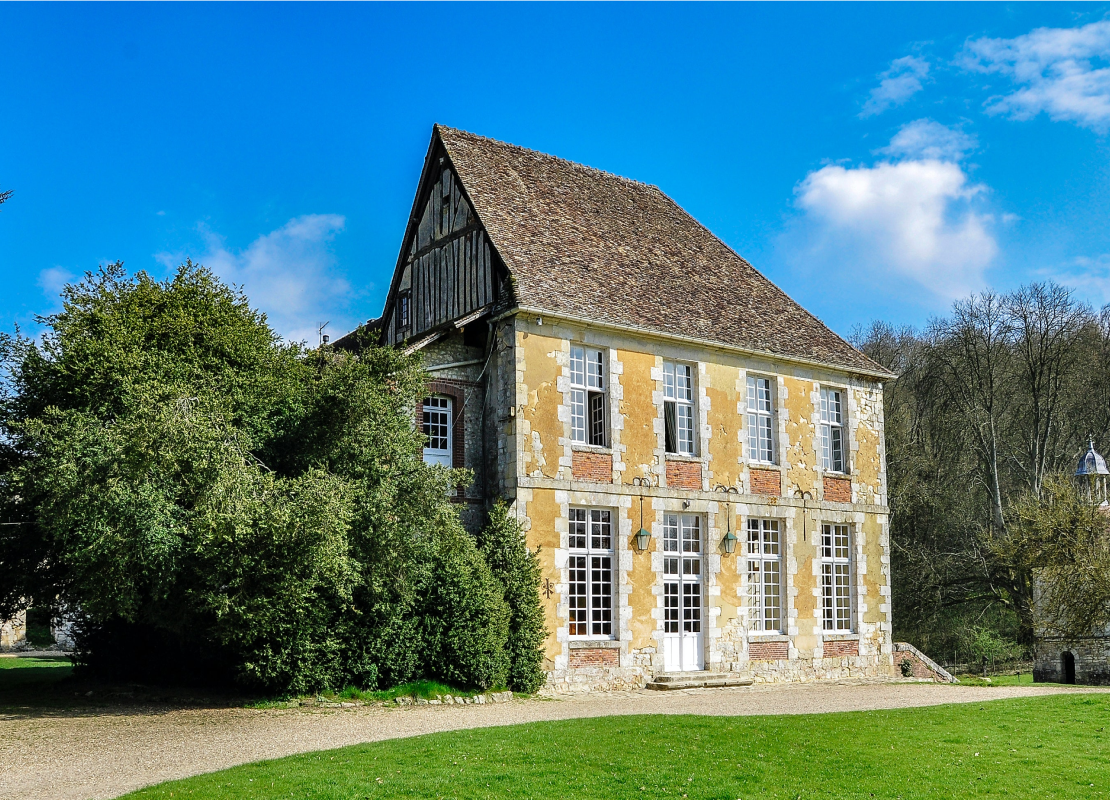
590,567
764,556
836,578
436,426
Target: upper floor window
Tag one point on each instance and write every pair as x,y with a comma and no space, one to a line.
437,424
590,573
765,575
678,408
404,303
761,438
832,430
587,396
836,578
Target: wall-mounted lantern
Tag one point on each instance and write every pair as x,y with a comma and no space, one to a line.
643,536
729,542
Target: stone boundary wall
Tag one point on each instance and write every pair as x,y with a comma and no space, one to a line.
921,666
13,632
1092,660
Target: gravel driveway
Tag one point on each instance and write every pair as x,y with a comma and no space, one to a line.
93,754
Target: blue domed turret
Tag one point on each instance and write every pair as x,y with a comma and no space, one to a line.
1092,463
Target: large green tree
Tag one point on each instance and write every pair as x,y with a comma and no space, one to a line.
990,401
194,485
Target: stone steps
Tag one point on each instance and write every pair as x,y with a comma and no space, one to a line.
669,681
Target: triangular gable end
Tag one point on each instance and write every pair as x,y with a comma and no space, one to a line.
448,270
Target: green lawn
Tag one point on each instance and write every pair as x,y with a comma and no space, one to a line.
1047,747
27,674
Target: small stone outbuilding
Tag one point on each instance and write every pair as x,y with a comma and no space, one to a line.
1085,660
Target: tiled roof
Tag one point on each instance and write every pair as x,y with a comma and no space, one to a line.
589,244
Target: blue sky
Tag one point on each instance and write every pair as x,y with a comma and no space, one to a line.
876,161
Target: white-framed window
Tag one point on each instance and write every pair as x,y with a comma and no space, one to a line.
682,576
587,396
590,567
437,427
761,437
678,408
832,430
836,578
764,576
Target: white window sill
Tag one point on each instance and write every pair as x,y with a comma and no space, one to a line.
683,457
579,447
839,636
764,465
768,636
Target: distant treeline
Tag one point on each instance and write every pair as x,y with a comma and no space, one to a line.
991,402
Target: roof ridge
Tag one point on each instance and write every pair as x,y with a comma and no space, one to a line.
533,151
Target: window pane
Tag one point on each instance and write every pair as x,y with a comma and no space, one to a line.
684,383
691,534
764,431
670,533
577,597
601,595
600,531
597,418
577,366
836,452
577,415
668,380
595,372
691,607
578,528
670,426
670,607
686,429
771,595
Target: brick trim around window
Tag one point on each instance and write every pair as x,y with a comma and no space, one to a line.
586,466
840,647
837,490
768,651
766,481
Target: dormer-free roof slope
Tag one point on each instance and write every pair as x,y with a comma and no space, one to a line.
585,243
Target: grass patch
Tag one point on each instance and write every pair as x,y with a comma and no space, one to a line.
25,674
422,689
1022,679
1033,747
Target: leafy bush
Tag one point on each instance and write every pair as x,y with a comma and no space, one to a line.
235,504
518,570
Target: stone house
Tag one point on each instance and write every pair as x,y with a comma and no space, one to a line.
698,459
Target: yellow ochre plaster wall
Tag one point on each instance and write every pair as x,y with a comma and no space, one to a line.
541,427
542,510
639,413
725,452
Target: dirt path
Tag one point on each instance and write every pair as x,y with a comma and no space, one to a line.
104,754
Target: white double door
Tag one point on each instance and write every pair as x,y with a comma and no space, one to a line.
683,593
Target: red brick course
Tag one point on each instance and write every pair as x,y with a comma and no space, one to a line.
592,467
766,481
684,475
836,649
594,657
768,651
838,490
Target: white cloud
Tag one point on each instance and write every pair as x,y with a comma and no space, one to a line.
288,273
911,222
1063,72
927,139
53,279
896,85
1089,276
